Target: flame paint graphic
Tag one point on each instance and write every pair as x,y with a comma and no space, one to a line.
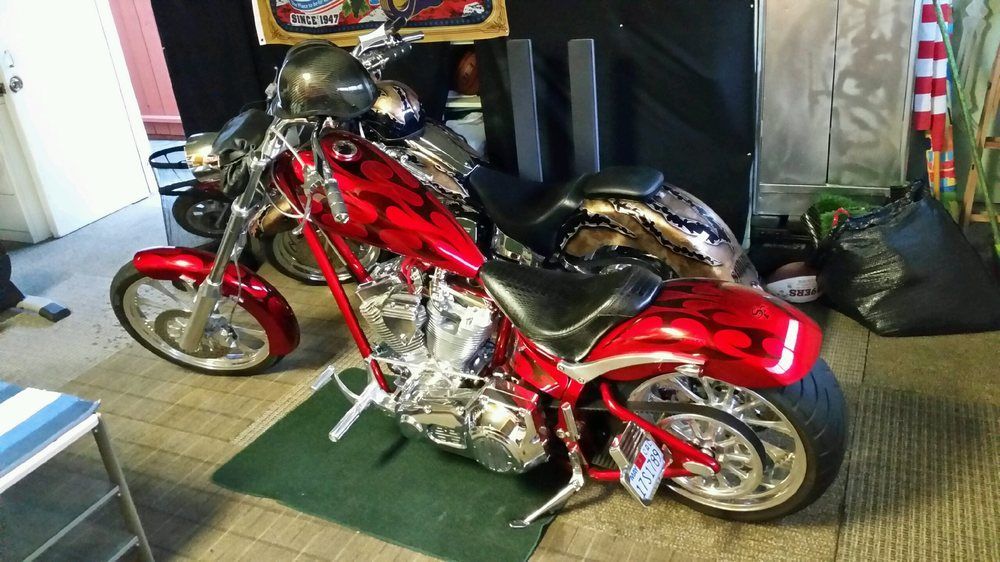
387,207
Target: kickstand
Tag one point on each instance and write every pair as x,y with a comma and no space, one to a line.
562,496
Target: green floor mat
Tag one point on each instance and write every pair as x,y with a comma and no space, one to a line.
375,480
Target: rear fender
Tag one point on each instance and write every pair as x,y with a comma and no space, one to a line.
732,333
257,296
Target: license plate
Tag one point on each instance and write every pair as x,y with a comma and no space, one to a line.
641,462
646,472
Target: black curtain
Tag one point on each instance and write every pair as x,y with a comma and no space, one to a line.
675,82
217,66
675,88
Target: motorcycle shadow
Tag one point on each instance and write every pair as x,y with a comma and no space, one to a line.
547,478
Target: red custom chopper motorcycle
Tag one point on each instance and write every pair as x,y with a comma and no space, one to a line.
709,386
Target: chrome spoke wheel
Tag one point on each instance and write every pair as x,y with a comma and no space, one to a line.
293,257
746,481
742,470
158,311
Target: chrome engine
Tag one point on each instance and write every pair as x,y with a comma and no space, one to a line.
437,343
394,313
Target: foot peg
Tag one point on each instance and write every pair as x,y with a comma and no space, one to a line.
371,393
562,496
323,377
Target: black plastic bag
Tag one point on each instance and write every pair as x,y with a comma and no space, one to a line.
907,270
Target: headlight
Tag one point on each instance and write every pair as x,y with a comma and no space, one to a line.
204,163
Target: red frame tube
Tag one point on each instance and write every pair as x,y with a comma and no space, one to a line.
339,295
352,262
681,450
604,475
504,337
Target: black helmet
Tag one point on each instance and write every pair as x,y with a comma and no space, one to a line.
319,79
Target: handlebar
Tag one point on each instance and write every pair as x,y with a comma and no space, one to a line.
374,50
377,59
413,37
384,44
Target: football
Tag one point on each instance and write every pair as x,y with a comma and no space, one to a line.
794,282
467,75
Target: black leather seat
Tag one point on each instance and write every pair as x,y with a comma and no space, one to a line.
532,212
566,314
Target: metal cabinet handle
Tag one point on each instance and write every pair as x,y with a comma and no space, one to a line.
15,84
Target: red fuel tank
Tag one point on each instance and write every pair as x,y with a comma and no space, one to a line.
387,206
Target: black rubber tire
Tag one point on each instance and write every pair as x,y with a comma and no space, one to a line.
815,406
183,204
129,275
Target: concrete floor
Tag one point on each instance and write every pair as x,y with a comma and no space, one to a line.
920,481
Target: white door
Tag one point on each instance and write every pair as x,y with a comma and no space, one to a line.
73,110
22,218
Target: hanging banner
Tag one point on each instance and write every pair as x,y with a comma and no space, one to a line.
341,21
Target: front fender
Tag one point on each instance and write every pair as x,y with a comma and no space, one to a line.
736,334
256,296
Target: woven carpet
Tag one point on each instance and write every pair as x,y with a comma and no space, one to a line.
923,479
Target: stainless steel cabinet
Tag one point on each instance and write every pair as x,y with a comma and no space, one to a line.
835,101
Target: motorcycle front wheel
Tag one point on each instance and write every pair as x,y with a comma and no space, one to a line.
290,255
155,312
779,448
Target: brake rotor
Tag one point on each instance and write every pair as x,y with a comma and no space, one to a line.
170,326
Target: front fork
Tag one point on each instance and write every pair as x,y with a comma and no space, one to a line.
230,248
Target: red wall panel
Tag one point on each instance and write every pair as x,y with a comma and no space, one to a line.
147,68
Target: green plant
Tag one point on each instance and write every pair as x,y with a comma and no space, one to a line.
827,205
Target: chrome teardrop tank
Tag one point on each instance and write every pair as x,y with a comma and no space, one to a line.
440,159
442,147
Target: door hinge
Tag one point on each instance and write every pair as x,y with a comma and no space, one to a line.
3,88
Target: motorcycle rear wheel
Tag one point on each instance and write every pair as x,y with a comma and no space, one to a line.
801,427
154,313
